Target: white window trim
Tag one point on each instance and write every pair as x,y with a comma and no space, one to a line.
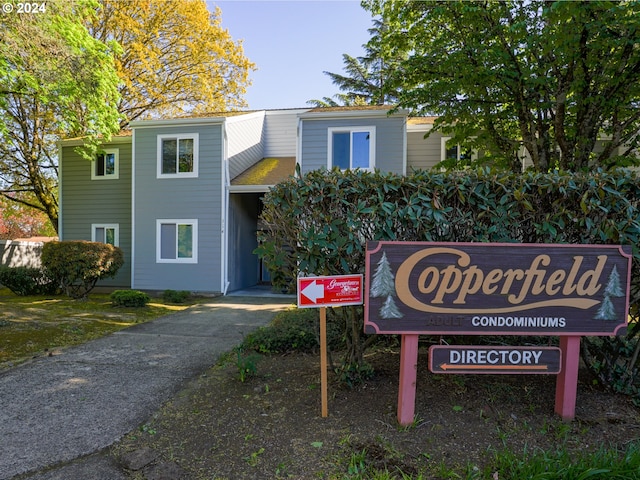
114,226
196,155
370,129
116,173
443,150
194,247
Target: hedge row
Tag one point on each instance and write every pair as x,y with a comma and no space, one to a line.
325,217
319,223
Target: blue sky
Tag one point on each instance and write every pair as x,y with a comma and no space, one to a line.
292,42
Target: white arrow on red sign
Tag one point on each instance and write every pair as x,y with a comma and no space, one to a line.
332,291
313,291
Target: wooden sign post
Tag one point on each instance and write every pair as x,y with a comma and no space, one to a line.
333,291
424,288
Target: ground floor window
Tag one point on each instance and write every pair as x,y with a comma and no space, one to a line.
177,241
106,233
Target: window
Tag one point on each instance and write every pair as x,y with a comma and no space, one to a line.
106,233
105,166
455,152
177,241
352,147
178,155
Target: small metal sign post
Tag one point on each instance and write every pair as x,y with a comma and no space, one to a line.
321,292
428,288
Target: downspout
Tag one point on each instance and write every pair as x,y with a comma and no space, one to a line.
404,146
299,147
133,207
225,212
60,191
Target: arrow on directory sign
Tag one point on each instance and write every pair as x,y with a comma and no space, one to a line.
314,291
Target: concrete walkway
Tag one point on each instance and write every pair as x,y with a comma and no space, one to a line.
57,412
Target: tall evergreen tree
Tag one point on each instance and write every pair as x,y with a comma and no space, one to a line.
365,81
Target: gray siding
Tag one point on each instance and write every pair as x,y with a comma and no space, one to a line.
181,199
244,142
281,130
389,153
86,202
423,153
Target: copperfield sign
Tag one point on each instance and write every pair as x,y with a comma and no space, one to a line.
499,289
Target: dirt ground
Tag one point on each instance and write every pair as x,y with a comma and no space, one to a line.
270,426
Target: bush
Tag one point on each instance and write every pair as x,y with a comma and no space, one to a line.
27,281
175,296
77,265
319,224
129,298
292,330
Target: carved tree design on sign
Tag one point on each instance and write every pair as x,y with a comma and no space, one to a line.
383,285
613,289
613,285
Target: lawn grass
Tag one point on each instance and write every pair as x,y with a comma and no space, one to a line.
33,326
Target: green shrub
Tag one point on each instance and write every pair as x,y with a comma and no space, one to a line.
129,298
176,296
292,330
27,281
77,265
319,223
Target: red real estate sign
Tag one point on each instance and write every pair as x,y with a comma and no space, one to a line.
323,292
330,291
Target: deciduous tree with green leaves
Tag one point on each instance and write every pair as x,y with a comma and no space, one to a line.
87,68
551,77
55,81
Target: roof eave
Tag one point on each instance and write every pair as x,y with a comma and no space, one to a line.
330,113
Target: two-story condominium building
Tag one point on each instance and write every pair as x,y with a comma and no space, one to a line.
182,196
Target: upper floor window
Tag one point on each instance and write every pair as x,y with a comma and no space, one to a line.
352,147
454,152
178,155
105,233
105,166
177,241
